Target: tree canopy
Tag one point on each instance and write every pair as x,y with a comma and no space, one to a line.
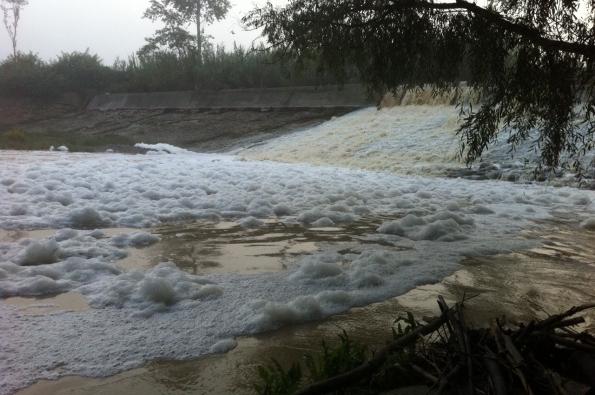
176,15
529,63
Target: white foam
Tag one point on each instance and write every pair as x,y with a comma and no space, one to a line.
223,346
38,253
251,222
161,148
137,239
149,291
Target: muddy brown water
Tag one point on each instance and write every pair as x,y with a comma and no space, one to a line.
224,247
203,248
520,286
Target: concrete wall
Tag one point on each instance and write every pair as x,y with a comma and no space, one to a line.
348,96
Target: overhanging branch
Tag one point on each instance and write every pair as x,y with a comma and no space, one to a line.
527,32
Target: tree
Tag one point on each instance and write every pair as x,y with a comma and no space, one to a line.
176,14
530,63
11,10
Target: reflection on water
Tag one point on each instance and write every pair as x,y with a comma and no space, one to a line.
226,247
521,285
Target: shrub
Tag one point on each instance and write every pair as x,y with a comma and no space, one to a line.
25,75
79,72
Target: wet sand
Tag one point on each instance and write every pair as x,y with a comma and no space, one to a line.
521,286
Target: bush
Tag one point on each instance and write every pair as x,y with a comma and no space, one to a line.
25,75
79,72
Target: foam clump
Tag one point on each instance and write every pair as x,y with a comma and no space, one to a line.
162,148
304,308
312,217
282,210
52,279
158,290
137,239
39,253
441,230
443,226
318,269
369,267
273,315
324,222
86,218
223,346
251,223
150,291
63,262
65,234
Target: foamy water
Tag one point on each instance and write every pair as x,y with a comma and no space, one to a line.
426,227
410,140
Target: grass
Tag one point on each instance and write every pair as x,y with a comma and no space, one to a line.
331,361
19,139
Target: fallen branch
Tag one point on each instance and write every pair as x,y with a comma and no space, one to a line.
362,371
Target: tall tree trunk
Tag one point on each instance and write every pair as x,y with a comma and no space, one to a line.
14,46
198,32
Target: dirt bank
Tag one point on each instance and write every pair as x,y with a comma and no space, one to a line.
37,127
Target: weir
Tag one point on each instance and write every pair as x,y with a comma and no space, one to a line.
350,96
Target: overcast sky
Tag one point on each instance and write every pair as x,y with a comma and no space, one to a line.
110,28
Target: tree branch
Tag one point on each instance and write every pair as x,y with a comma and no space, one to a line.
527,32
352,376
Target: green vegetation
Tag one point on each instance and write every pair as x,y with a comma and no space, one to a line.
275,380
530,62
331,361
447,356
26,75
175,16
21,140
29,76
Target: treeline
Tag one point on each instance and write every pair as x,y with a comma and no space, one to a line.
26,75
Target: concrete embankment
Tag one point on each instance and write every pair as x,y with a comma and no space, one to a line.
208,121
350,96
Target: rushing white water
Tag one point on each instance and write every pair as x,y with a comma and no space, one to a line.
412,140
427,225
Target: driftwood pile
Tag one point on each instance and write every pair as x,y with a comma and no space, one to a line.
449,357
